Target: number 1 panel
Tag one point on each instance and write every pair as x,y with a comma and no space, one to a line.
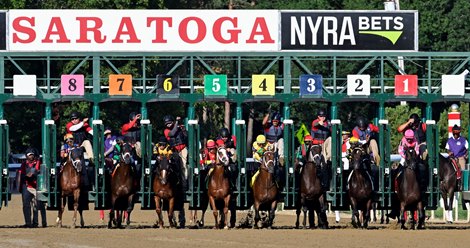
358,85
72,85
406,85
311,84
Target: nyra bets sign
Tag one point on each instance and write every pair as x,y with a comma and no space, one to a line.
143,30
349,30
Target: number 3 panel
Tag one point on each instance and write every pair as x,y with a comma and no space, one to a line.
168,84
120,84
263,85
311,84
72,85
358,85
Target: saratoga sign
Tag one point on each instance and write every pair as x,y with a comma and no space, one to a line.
143,30
207,30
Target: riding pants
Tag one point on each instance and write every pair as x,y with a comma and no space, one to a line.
32,204
326,149
88,149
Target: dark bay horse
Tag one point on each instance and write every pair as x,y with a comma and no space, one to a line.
408,191
448,183
219,188
312,197
164,187
69,181
360,187
122,188
265,189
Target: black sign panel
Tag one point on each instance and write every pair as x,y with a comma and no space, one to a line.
3,31
354,30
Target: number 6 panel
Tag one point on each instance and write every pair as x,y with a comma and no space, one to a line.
358,85
168,85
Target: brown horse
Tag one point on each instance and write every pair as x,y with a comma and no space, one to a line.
122,188
408,191
219,188
69,180
312,197
164,187
448,184
360,187
265,189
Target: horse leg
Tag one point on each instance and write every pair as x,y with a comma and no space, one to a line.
402,215
446,203
322,218
226,206
130,207
158,209
451,204
272,213
369,205
304,210
111,216
76,196
82,221
355,213
297,212
214,211
171,211
193,218
257,217
421,215
61,211
374,212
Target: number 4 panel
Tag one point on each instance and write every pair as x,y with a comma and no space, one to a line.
263,85
72,85
358,85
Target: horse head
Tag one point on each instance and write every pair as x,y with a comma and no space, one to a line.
164,168
411,158
268,161
126,153
315,155
222,157
77,158
359,157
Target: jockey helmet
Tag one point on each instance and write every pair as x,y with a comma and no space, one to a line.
107,131
409,134
308,138
224,133
168,119
74,115
120,139
346,133
276,116
132,116
210,144
220,143
261,139
456,129
68,137
162,140
362,123
353,140
321,112
31,151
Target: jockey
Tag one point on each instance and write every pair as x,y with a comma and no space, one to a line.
301,154
457,147
261,146
109,143
131,130
321,133
65,149
177,136
345,148
81,131
229,141
419,129
162,148
209,156
274,134
409,140
364,132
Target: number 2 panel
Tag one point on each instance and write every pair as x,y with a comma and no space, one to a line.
263,85
72,85
358,85
120,84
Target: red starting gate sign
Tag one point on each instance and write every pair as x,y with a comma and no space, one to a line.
406,85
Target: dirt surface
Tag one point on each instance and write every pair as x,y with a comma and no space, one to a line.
142,234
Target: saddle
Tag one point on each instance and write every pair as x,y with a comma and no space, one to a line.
455,163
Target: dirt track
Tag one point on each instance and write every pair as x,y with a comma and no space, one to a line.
142,234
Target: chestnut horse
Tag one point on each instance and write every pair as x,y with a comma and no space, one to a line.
312,197
408,191
219,188
69,180
448,184
122,188
265,189
360,187
164,187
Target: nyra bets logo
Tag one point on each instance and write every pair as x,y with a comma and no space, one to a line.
349,30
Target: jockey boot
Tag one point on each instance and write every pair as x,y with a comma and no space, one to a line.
459,185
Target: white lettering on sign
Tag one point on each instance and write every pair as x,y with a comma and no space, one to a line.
329,28
143,30
384,23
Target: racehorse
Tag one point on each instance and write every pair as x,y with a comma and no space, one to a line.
312,197
408,190
360,187
265,189
219,188
448,183
122,188
164,187
69,181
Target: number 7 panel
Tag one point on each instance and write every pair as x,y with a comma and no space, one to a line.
120,84
406,85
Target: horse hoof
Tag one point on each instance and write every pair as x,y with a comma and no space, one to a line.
73,226
226,228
